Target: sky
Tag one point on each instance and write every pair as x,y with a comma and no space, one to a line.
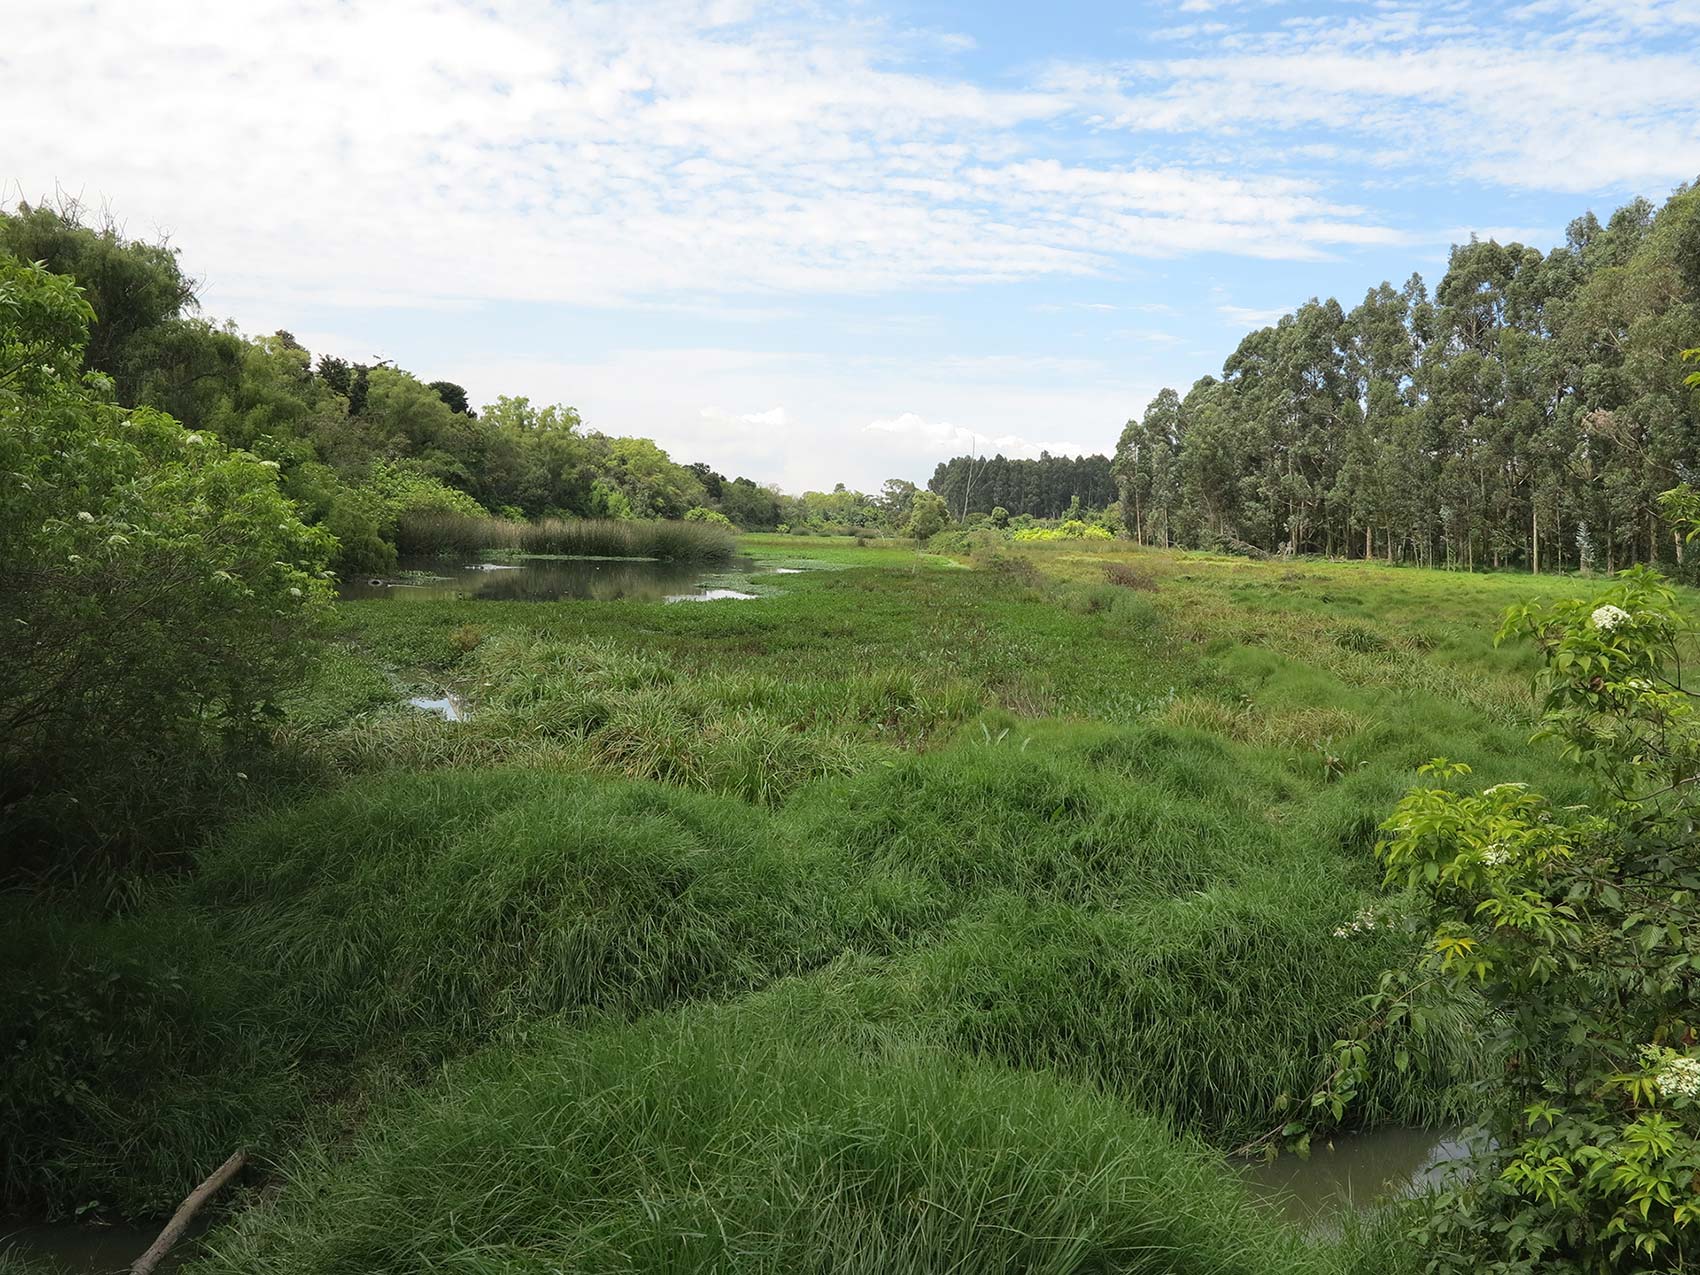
817,243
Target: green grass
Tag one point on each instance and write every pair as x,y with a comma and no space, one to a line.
804,910
731,1140
440,532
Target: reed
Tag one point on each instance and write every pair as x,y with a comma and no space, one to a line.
444,533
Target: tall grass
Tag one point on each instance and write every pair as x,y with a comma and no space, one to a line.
440,532
722,1141
1140,907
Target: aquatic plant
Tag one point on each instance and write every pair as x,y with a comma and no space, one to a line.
447,532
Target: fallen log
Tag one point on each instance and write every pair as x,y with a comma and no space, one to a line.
186,1211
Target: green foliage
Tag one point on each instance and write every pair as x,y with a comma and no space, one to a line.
391,495
156,590
713,517
1575,925
734,1140
1069,529
136,292
927,515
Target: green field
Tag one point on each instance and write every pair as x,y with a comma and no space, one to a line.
923,914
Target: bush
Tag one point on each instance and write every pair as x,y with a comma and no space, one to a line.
155,594
1576,925
713,517
1069,529
391,494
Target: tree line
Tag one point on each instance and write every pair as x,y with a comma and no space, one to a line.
1044,488
1528,413
359,445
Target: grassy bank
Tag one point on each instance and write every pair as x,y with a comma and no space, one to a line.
739,1139
440,532
986,883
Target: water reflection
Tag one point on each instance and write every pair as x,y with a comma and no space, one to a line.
551,580
449,707
67,1248
1359,1169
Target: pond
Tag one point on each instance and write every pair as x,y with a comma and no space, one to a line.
531,579
68,1248
1357,1170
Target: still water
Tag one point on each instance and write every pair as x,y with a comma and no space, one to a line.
1358,1170
67,1248
556,579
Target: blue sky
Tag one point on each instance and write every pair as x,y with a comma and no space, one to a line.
808,242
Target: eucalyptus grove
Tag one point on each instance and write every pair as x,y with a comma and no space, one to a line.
1527,414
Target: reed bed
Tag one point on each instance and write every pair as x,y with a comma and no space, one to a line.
442,533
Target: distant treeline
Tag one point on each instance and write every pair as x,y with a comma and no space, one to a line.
1043,488
1528,413
361,446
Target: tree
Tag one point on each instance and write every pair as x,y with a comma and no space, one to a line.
928,515
453,396
156,591
134,289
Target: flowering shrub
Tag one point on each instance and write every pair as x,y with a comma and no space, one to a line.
1069,529
155,590
1579,929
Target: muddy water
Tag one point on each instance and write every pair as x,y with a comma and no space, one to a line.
553,580
66,1248
1357,1170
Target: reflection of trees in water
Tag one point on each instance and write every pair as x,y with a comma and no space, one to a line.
593,581
537,580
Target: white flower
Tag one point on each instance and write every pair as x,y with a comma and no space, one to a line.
84,515
1608,617
270,464
1361,923
295,593
1496,856
193,438
1676,1075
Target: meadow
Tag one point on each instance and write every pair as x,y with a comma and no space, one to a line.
930,912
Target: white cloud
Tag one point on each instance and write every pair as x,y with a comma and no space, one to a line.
1250,316
376,151
941,440
837,422
1563,95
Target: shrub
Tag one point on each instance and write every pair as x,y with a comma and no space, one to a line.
1070,529
713,517
391,493
155,594
928,515
1576,926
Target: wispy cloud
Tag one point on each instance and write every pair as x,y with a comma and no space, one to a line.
1557,95
1249,316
